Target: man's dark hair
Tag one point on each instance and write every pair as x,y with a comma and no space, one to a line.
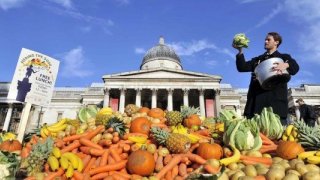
276,36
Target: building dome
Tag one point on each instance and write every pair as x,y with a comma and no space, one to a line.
161,55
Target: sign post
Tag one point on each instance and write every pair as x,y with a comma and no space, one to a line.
33,83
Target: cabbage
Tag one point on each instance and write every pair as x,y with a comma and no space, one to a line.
240,40
242,134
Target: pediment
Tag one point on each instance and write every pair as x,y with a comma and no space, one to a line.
161,73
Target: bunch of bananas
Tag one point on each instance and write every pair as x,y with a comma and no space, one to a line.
7,136
180,129
312,157
68,161
53,129
290,133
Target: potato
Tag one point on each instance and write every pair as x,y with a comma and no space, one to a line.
311,175
301,168
276,160
237,175
262,170
233,166
291,171
275,174
285,165
223,176
277,166
266,155
312,167
250,170
254,153
232,172
246,178
291,176
241,166
293,162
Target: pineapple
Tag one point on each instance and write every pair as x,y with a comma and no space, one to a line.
40,152
117,125
173,118
102,119
176,143
74,122
131,109
308,137
187,111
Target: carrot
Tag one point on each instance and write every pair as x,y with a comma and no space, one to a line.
134,147
110,130
168,175
159,163
86,160
77,175
118,177
74,137
159,125
30,178
262,160
182,170
89,165
93,133
85,149
96,152
195,158
124,175
167,159
104,158
59,143
189,170
203,132
201,136
115,154
105,142
113,167
75,144
100,176
265,139
211,169
81,155
55,174
87,142
124,156
111,160
174,161
175,171
126,147
193,147
155,155
115,139
268,148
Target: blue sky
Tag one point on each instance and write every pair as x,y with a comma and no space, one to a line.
91,38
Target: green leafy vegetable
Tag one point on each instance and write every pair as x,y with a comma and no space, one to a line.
240,40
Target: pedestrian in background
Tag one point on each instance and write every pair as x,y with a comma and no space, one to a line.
307,113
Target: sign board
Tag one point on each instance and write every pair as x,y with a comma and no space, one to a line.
34,78
209,107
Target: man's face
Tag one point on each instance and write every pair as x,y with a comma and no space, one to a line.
270,43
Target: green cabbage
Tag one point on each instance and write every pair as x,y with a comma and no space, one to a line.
240,40
242,134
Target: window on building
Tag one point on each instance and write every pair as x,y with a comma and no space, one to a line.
59,116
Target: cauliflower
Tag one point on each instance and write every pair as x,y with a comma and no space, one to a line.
240,40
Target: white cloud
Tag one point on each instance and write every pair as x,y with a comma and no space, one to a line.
307,14
65,3
86,29
211,63
73,64
188,49
139,50
248,1
8,4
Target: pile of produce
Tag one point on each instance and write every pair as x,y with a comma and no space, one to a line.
144,143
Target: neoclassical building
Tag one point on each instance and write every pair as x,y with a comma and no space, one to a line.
160,82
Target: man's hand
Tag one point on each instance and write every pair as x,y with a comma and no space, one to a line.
238,48
279,67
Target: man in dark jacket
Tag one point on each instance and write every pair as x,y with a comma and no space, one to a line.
257,97
306,113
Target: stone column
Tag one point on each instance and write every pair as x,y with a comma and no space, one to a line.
106,98
138,97
186,97
154,98
122,100
201,102
8,118
170,102
217,100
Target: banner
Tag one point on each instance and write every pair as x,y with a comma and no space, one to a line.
34,78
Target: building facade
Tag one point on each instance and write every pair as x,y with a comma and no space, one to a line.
161,82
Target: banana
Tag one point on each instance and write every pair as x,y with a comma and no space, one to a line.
42,133
64,162
313,159
291,138
193,138
58,128
46,131
289,129
234,158
138,139
317,153
69,172
56,152
59,123
72,158
284,137
53,163
294,132
306,154
81,165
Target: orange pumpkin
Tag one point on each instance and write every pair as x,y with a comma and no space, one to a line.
140,125
144,110
141,162
11,146
156,113
289,149
192,120
210,151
